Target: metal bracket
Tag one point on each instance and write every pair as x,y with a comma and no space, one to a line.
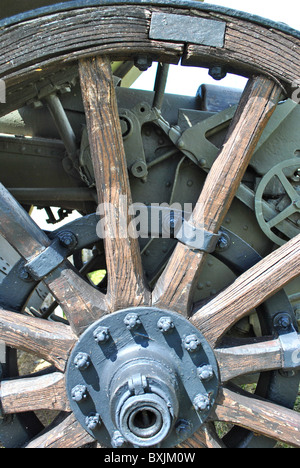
53,256
45,262
182,28
290,344
170,222
197,238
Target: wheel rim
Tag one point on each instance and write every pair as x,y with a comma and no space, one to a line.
174,288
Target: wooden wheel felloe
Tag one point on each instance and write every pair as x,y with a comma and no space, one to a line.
90,38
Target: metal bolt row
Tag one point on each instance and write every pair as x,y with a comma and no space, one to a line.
165,324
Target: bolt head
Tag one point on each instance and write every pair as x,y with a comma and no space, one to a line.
165,324
132,321
201,402
117,440
24,275
205,372
191,343
79,393
282,321
183,427
217,73
82,361
67,239
143,63
92,421
101,334
223,242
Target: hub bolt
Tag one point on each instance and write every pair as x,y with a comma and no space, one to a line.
191,343
205,372
132,321
79,393
201,402
117,440
183,427
165,324
101,334
92,421
82,361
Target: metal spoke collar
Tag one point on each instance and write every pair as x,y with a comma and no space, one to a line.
142,377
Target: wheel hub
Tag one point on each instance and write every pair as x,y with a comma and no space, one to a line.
142,377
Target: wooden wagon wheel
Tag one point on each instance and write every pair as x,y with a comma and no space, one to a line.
94,36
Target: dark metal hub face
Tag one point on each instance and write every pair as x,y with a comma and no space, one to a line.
142,377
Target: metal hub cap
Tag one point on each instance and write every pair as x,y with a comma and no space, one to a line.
142,377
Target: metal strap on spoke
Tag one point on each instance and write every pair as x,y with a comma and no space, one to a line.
44,263
52,257
290,345
197,238
169,222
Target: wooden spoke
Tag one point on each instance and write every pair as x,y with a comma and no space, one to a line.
257,415
19,229
249,290
175,286
247,357
205,437
46,392
126,286
68,434
81,303
52,341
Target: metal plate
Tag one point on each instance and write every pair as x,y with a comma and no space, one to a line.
182,28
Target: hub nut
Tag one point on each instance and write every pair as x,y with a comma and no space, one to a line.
92,421
201,402
183,427
191,343
82,361
79,393
205,372
165,324
117,440
132,321
101,334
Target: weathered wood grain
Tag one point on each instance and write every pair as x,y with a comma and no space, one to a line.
122,32
68,434
258,415
248,357
175,286
205,437
272,52
249,290
45,392
50,340
126,285
82,303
